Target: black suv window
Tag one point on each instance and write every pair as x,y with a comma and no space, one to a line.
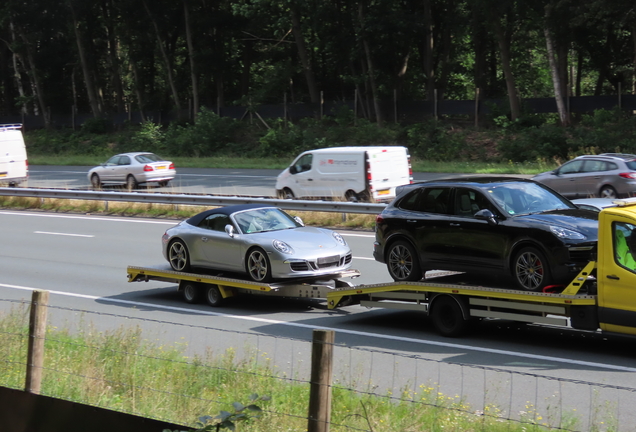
468,202
433,200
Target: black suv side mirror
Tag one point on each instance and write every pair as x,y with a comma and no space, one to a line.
487,215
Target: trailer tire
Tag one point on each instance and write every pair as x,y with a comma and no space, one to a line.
213,296
191,292
447,316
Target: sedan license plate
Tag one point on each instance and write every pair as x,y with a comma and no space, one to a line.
327,260
160,167
3,174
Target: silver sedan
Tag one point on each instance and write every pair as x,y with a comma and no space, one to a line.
261,241
132,169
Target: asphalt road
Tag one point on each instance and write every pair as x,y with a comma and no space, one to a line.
188,180
82,259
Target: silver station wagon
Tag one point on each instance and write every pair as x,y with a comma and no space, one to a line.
608,175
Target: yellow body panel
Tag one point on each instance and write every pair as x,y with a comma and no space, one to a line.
616,282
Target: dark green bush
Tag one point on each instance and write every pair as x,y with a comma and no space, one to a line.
431,142
211,135
535,143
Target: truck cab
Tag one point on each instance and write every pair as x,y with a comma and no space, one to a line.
616,268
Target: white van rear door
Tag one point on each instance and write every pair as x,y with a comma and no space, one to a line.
389,167
13,158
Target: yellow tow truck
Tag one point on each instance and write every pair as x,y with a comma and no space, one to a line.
602,296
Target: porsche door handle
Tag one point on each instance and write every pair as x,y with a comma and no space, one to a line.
204,239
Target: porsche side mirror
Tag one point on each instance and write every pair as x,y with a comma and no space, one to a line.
486,215
229,230
299,220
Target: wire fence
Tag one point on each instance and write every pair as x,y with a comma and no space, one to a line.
174,371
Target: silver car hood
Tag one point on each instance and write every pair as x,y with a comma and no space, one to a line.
300,239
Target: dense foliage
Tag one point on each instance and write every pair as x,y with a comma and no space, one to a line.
537,139
111,56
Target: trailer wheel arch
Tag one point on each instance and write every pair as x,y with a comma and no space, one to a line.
450,314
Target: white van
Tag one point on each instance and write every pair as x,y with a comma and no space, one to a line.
14,167
354,173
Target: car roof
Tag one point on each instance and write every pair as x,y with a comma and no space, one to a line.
227,210
351,149
134,153
477,180
470,181
596,202
609,156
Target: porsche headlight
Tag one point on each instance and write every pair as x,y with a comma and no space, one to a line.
282,247
565,233
339,238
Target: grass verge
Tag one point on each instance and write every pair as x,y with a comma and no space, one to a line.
280,164
167,211
121,370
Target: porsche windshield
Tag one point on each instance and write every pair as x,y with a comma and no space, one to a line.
524,198
266,219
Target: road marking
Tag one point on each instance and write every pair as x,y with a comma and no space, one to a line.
364,258
150,306
358,235
63,234
113,219
225,175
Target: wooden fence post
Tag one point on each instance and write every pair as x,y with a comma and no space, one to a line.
320,384
37,332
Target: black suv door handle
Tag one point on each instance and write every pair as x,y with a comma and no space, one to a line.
455,224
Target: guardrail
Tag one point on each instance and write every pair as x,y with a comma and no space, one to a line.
198,200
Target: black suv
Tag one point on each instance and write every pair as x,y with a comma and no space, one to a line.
488,225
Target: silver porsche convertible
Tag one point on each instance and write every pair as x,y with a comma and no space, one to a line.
262,241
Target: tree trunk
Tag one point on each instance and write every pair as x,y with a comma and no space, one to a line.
166,61
429,72
138,86
504,51
303,54
554,70
370,67
88,81
16,71
115,76
191,55
34,77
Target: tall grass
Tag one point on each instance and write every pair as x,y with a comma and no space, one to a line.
121,370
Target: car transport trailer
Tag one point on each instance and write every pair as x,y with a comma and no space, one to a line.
214,289
452,307
602,296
